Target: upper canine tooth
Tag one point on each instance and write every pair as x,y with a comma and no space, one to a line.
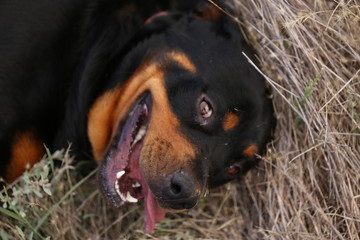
130,198
119,174
140,134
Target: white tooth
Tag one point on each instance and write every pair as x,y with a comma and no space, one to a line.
122,196
136,185
117,188
119,174
140,134
130,198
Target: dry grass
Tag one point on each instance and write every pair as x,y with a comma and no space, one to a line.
308,185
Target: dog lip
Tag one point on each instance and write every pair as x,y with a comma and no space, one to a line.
119,169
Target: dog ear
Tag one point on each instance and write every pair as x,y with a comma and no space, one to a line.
208,11
220,14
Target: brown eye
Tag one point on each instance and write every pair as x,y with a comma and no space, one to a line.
205,109
233,169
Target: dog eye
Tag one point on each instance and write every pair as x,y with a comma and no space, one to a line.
205,109
233,169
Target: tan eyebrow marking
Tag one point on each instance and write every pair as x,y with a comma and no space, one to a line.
182,60
250,151
231,120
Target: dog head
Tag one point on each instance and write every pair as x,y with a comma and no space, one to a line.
183,110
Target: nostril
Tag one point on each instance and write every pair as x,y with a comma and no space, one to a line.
175,188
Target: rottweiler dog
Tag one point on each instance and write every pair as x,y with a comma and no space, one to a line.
158,92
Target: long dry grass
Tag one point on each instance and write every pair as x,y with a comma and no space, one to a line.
310,181
306,187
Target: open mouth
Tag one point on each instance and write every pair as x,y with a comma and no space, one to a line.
120,175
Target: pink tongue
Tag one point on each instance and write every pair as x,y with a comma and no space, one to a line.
153,213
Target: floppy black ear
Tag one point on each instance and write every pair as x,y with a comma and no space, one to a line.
207,11
217,12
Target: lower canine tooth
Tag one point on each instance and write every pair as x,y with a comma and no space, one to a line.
117,189
130,198
122,196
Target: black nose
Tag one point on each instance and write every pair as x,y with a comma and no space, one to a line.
179,191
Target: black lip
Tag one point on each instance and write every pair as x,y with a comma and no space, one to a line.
109,166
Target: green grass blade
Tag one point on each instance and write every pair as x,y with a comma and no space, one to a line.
13,215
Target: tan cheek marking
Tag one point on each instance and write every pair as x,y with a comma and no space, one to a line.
165,148
100,121
250,151
182,60
231,121
25,152
109,109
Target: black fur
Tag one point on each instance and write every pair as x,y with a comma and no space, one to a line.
57,57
